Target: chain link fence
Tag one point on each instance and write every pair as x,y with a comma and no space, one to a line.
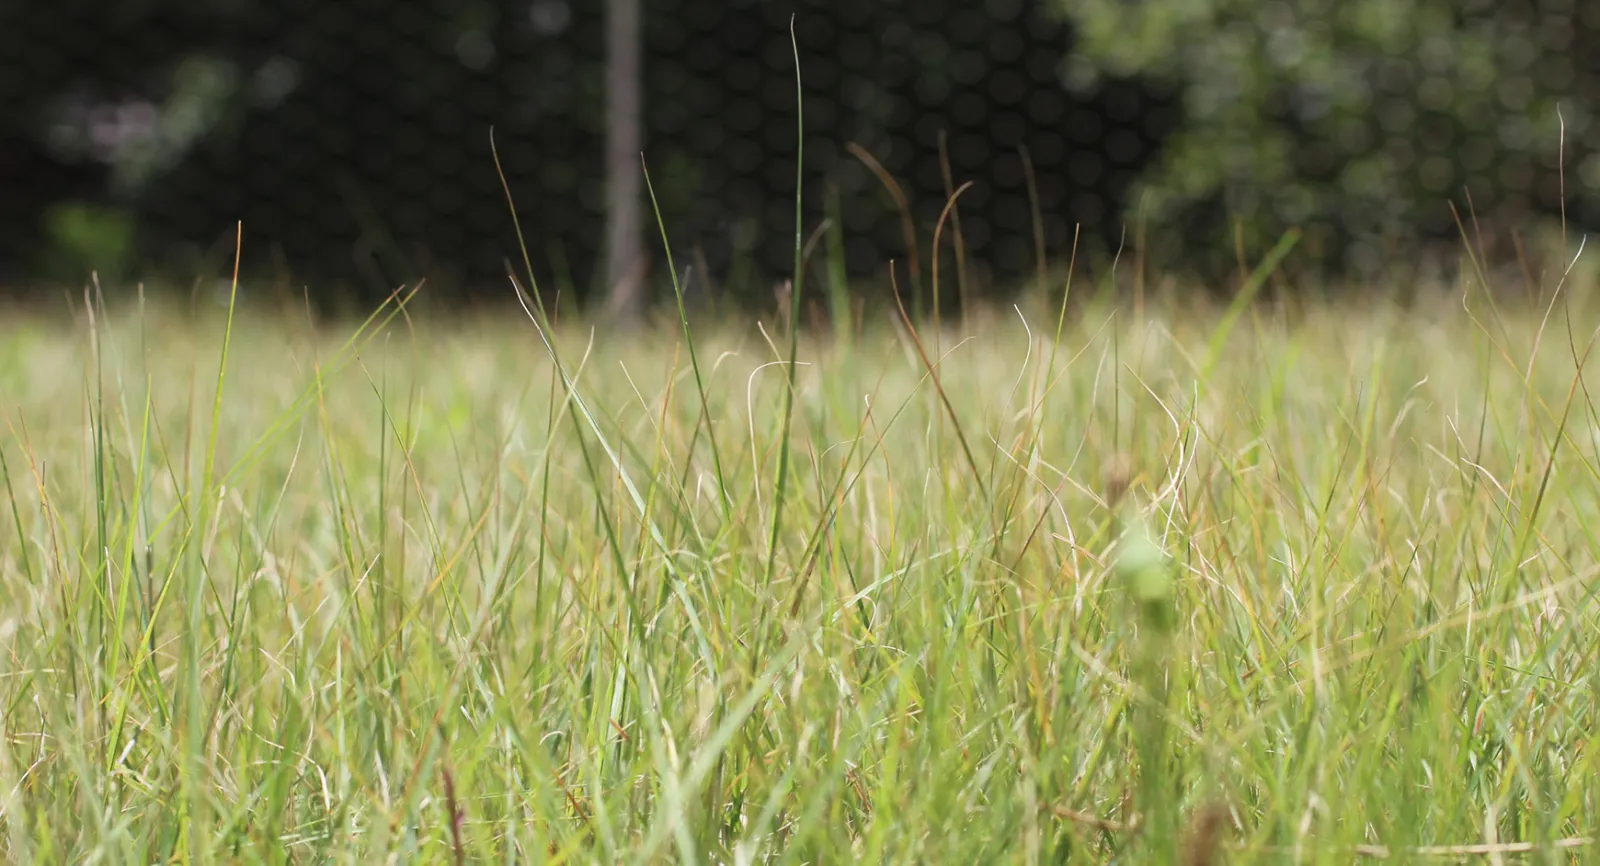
353,137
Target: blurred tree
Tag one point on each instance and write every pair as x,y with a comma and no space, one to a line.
625,263
1359,120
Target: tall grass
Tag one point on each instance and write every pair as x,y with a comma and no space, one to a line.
1321,589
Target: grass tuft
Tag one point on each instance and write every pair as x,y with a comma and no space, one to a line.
1324,589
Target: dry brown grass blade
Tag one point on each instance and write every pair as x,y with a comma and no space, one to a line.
1203,841
938,230
1484,849
1036,213
944,399
908,226
1094,821
950,193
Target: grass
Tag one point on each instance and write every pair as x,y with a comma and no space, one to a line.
1267,587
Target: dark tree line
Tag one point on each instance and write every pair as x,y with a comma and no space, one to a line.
352,137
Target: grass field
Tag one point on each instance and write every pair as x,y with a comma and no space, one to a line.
1172,587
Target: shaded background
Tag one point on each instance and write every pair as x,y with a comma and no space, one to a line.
352,136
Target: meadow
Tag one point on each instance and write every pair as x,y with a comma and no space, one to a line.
1176,584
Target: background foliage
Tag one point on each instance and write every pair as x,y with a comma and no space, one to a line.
352,137
1359,121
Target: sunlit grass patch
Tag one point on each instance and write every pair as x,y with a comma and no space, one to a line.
1326,583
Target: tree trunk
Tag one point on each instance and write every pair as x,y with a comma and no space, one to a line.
625,260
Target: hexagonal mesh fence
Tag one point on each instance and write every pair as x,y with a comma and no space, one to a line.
353,137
